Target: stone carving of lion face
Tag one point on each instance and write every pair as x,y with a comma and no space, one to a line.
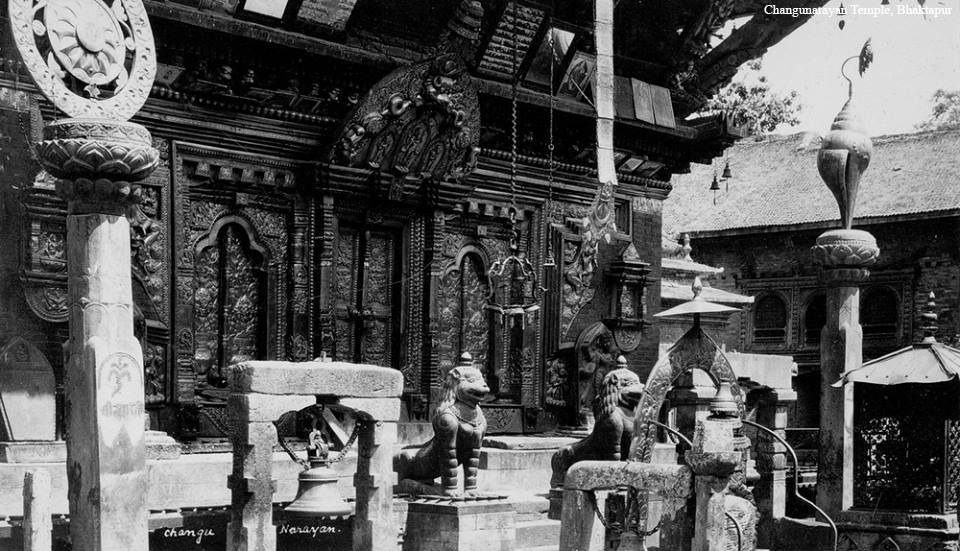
620,388
465,384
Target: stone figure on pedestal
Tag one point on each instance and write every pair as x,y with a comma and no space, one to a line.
613,408
458,427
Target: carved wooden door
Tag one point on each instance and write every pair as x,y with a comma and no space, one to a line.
366,296
228,296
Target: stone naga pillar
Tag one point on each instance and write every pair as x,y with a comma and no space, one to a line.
107,53
845,255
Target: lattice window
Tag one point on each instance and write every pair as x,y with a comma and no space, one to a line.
770,319
814,318
899,447
879,312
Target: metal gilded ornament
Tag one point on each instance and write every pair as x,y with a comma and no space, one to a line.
105,50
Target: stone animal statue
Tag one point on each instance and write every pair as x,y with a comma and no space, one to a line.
613,411
458,429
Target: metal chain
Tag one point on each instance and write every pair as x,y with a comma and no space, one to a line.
592,498
550,145
23,130
513,110
338,457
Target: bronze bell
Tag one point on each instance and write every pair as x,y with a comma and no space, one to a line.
726,171
715,185
318,494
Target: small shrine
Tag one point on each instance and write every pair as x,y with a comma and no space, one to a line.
905,432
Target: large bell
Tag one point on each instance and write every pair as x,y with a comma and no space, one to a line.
318,494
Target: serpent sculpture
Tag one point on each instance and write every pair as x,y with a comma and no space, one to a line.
458,429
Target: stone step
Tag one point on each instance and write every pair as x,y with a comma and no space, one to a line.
538,533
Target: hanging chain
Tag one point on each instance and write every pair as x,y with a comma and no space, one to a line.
550,145
513,114
335,458
23,129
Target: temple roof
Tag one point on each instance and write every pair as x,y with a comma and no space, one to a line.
920,363
776,186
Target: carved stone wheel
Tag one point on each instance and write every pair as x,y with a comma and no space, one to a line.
105,50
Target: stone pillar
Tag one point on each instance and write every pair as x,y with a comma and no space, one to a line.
97,157
771,490
841,349
374,526
845,256
37,524
106,456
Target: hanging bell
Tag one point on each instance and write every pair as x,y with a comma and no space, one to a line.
726,171
715,185
318,494
723,403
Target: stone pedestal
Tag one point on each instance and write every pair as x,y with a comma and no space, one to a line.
845,256
891,530
770,490
460,526
95,162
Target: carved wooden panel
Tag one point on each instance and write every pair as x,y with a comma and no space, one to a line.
234,268
366,290
464,323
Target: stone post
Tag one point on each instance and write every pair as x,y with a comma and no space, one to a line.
106,455
771,490
374,524
845,256
37,524
97,64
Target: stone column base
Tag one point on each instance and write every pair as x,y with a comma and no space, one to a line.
460,526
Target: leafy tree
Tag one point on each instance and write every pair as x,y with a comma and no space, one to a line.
750,103
945,112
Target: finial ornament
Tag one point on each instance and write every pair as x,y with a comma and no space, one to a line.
697,288
846,150
928,319
104,50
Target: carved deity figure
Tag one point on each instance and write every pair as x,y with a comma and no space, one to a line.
458,427
597,360
613,410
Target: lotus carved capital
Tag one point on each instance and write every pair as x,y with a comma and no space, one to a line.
845,249
97,149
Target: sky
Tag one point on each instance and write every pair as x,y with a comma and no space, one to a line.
913,57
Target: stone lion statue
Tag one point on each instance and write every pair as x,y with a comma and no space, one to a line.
613,409
458,429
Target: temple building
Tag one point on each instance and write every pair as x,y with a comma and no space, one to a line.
338,179
769,212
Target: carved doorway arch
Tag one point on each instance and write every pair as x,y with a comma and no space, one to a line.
694,350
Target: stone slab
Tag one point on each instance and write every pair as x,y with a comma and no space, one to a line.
33,452
256,407
668,481
528,442
459,508
315,378
381,409
509,460
27,403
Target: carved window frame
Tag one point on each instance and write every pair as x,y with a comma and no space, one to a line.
888,329
778,341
